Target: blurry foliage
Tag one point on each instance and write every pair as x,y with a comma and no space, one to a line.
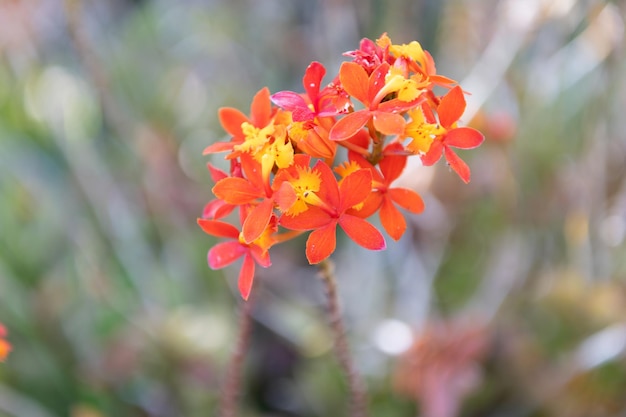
110,306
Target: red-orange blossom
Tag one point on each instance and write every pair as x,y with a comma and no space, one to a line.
286,177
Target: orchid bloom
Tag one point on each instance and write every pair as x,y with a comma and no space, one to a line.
325,103
385,196
370,91
450,110
232,121
328,208
288,177
225,253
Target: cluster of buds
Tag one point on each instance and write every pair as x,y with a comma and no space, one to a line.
288,177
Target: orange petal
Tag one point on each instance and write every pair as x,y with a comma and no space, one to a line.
261,108
434,153
246,276
329,189
370,206
312,218
349,125
376,81
218,228
407,199
219,147
362,232
355,188
392,220
216,173
392,165
354,80
313,78
451,107
261,255
257,221
457,164
389,123
225,253
231,120
464,138
217,209
321,243
285,197
234,190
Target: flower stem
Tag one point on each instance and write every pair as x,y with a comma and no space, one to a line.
232,386
358,394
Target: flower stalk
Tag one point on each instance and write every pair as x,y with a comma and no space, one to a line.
232,386
356,384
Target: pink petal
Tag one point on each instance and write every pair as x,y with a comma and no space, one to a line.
225,253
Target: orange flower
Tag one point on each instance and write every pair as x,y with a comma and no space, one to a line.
5,347
253,191
225,253
370,91
450,110
233,119
327,209
384,197
327,102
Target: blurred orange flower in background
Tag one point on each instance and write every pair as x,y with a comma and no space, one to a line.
5,347
442,366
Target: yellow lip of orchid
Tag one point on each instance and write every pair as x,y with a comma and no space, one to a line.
421,132
255,138
305,185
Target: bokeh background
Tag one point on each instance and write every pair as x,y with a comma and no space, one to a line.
505,297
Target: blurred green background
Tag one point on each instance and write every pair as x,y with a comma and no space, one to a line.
506,297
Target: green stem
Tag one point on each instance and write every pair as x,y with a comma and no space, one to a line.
356,385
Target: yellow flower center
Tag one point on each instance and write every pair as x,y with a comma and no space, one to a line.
305,185
255,138
421,132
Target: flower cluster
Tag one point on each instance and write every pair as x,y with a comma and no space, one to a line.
5,347
287,175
